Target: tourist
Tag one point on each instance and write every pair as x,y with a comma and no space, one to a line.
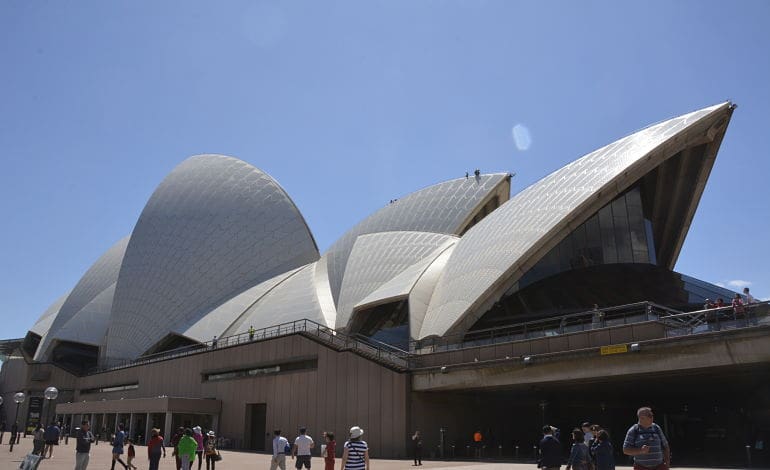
280,449
302,445
212,454
84,438
117,447
187,447
198,436
154,448
550,450
356,453
749,298
38,441
603,452
417,448
588,435
579,456
646,443
175,442
130,454
330,451
51,437
738,308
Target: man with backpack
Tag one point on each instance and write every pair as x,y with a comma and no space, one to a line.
550,450
280,449
646,443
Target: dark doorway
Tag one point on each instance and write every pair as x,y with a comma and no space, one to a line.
256,418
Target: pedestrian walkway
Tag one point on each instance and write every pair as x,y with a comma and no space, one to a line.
64,459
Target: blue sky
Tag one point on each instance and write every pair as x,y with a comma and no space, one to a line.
351,104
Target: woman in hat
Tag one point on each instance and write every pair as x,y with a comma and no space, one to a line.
356,453
211,451
154,448
198,436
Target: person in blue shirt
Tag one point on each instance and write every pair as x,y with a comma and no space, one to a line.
646,443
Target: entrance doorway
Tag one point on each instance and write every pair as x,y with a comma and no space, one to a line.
256,424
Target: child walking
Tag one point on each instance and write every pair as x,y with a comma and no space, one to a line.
131,454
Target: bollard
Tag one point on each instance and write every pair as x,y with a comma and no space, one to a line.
467,451
748,456
500,451
453,451
517,452
534,452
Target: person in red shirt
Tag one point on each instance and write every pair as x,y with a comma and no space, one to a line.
331,451
154,448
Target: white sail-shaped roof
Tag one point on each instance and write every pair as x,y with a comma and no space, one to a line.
379,257
89,324
100,276
213,228
445,208
43,324
293,299
510,240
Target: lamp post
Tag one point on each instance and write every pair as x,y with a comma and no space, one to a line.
50,394
18,398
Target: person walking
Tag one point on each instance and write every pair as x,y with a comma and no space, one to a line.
198,436
417,448
130,454
187,447
84,438
579,456
646,443
603,452
51,436
550,450
330,451
117,447
212,454
356,453
154,448
280,449
302,445
175,442
38,441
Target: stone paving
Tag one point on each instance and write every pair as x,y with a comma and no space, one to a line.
64,458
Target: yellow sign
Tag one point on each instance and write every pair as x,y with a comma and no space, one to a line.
615,349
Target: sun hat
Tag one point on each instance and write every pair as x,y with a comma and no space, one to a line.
197,429
210,433
355,431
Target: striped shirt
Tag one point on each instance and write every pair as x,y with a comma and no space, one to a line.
652,437
356,452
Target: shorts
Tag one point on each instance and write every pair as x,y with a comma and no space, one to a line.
303,460
52,442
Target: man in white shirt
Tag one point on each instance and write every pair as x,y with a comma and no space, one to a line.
280,444
302,445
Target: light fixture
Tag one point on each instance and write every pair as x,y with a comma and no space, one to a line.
527,360
635,347
443,370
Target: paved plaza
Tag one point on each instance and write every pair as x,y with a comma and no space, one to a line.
64,458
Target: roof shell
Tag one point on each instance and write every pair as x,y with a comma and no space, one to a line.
443,208
507,242
213,228
379,257
100,276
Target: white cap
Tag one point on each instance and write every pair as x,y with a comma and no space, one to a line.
355,431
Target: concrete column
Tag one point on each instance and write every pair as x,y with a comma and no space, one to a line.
167,427
131,432
215,424
146,429
117,421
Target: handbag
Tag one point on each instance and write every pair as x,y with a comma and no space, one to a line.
217,457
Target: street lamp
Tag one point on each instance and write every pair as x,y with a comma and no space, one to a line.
18,398
50,394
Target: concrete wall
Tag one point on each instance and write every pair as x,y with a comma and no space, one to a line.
345,390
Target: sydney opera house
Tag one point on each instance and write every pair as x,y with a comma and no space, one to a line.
453,309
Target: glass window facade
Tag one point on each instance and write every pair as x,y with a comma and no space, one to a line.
617,233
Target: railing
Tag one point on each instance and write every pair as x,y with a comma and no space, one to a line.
381,352
718,319
572,323
677,324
